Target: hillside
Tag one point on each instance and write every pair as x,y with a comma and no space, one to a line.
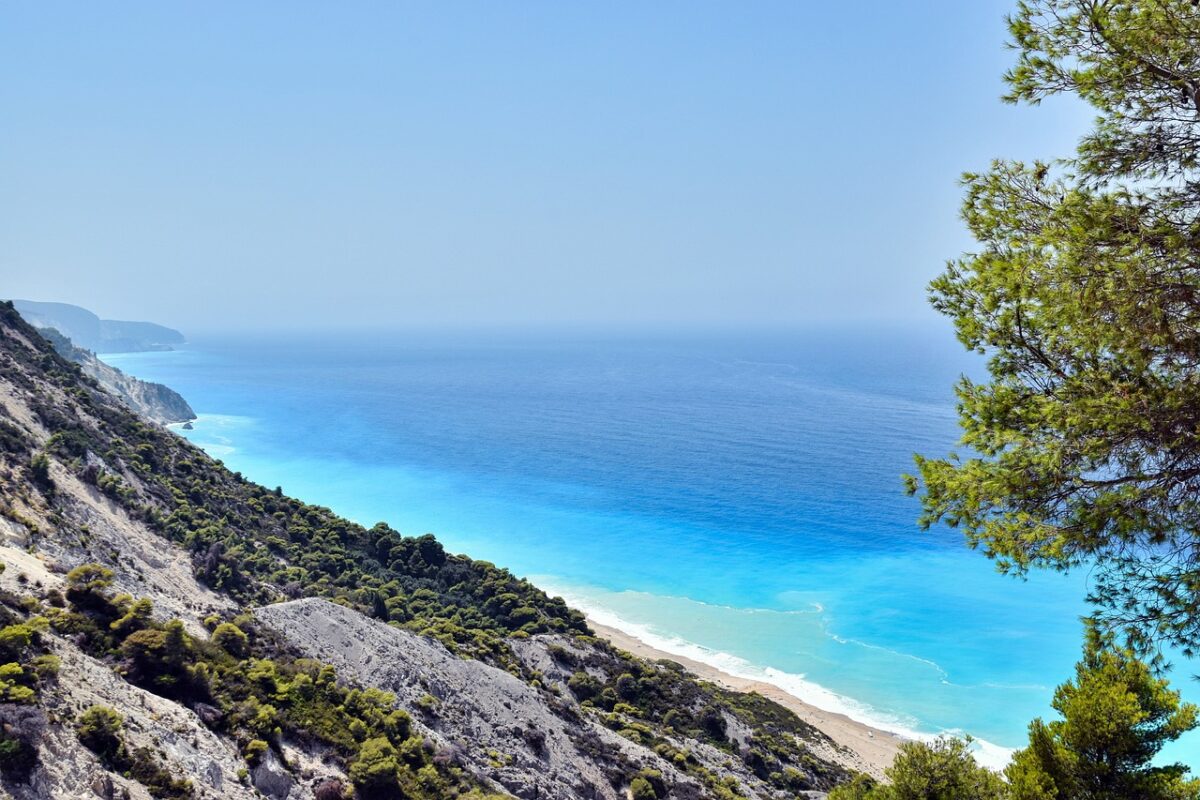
90,332
153,401
155,641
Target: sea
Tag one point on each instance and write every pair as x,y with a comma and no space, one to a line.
732,497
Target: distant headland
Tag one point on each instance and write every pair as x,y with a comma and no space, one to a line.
74,332
88,331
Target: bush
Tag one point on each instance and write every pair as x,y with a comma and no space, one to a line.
375,768
142,766
39,469
940,770
99,730
231,639
640,789
21,730
583,686
712,721
863,787
627,688
535,738
254,751
86,586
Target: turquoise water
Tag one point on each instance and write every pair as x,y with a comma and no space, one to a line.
736,499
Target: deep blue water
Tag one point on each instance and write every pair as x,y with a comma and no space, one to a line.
733,498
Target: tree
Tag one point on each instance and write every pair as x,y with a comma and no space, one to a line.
374,770
137,617
1116,716
99,729
87,586
940,770
860,787
1085,293
176,643
231,639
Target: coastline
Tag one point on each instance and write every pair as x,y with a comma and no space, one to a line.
860,747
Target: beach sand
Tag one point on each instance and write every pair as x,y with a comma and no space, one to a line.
862,747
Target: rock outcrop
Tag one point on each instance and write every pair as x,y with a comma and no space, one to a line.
531,743
153,401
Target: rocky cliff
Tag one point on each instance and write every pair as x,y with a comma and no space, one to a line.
169,629
153,401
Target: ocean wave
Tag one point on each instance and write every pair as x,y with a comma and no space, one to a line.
987,754
858,643
223,420
548,584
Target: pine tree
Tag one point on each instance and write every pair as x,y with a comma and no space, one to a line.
1084,444
1116,717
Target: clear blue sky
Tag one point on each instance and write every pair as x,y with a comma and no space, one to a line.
341,164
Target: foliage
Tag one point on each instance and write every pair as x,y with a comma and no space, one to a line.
21,730
231,639
861,787
641,789
25,669
329,789
257,545
658,703
1116,716
87,584
99,728
1085,294
254,750
940,770
13,439
374,771
258,696
39,470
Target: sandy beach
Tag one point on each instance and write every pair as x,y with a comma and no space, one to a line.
862,747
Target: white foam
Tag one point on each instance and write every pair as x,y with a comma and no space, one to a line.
213,433
987,754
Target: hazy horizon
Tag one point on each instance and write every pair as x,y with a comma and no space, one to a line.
688,165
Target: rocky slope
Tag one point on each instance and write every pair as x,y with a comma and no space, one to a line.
419,674
533,742
153,401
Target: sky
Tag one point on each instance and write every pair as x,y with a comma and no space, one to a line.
240,166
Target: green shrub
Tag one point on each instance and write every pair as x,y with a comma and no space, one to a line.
583,686
254,750
99,729
640,789
374,770
39,470
231,639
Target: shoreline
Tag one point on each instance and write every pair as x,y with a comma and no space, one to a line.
860,746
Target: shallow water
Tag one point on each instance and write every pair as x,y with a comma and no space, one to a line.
733,498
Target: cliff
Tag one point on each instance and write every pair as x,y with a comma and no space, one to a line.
90,332
170,629
153,401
